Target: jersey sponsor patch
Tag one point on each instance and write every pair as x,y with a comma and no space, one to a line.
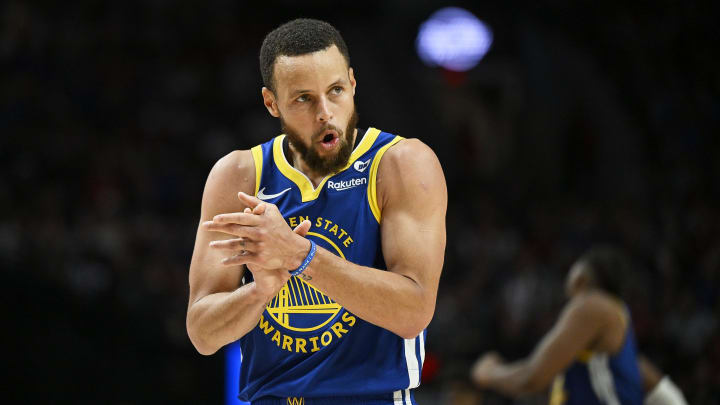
346,184
361,166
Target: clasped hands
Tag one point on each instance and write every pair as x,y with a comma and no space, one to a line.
262,240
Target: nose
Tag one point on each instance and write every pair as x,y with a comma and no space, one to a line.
324,113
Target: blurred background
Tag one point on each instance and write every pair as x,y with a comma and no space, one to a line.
583,123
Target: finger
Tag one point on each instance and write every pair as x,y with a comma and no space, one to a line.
247,210
260,209
240,218
234,244
249,200
247,232
303,228
238,259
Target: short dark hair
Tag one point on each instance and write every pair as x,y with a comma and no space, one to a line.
297,37
609,268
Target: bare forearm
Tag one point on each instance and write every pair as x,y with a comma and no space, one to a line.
512,379
383,298
221,318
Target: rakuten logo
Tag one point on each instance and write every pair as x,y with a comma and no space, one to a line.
346,184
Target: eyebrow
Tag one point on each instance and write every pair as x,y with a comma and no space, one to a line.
337,82
297,92
302,91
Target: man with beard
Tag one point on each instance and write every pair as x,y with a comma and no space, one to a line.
341,231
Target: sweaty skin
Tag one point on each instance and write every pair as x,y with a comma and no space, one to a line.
314,91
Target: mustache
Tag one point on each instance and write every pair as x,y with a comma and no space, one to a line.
327,127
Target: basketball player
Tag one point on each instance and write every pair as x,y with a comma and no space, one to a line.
590,352
321,249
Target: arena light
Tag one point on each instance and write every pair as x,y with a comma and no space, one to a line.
454,39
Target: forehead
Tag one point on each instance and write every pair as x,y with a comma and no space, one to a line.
309,71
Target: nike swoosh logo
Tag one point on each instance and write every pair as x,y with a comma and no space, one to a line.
261,194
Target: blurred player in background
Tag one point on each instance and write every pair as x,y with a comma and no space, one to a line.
590,355
334,311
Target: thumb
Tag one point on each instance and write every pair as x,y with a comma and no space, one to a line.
250,201
303,228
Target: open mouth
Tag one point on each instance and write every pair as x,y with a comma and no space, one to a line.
329,140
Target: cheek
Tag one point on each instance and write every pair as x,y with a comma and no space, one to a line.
297,109
345,109
298,116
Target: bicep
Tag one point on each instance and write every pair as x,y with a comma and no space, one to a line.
414,202
226,179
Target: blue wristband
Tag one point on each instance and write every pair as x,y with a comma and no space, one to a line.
306,262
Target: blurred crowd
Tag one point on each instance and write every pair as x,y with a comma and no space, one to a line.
581,126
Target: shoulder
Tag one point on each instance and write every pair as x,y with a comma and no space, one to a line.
595,306
410,169
234,169
231,174
411,159
409,152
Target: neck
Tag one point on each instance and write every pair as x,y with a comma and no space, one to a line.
300,165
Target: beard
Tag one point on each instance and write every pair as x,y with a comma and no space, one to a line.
309,154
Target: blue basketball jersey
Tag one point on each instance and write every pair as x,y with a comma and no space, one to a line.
306,345
602,379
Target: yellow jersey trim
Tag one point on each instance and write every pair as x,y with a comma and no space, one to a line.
558,395
584,356
372,183
307,190
258,158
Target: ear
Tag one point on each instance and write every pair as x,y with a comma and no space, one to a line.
351,75
269,102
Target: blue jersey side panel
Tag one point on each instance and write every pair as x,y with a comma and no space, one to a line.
305,343
578,389
584,382
625,371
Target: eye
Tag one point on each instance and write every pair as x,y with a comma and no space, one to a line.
303,98
337,90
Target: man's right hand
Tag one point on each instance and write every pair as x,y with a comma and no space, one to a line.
268,282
